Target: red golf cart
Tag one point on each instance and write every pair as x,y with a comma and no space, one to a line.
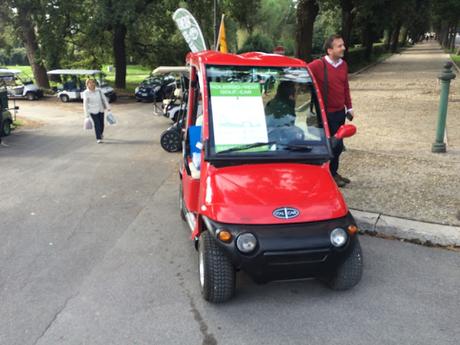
255,186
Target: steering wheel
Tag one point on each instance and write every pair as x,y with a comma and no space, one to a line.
285,134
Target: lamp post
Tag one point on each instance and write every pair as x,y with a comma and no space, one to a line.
439,146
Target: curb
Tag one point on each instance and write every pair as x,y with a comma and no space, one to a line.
364,69
455,65
375,63
411,230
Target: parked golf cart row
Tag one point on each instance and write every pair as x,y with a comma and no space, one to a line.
20,86
156,87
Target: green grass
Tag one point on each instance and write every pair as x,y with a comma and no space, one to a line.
134,75
456,59
24,69
18,123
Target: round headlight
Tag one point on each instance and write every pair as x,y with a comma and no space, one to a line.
338,237
246,243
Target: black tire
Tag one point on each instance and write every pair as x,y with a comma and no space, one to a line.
170,140
64,98
216,272
6,128
112,98
349,272
31,96
181,202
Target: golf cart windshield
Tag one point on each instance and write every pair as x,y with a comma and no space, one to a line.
15,77
152,81
268,112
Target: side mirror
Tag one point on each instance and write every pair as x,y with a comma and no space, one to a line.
345,131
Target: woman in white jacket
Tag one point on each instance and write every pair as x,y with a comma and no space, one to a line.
94,105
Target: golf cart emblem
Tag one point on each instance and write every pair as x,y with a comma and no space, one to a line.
286,213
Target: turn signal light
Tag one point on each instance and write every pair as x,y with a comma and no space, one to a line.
352,229
224,236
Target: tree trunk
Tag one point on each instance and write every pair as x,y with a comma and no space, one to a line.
395,38
387,38
347,23
454,33
307,10
404,33
119,51
29,39
368,40
445,34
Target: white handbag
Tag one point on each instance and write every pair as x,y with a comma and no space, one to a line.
111,118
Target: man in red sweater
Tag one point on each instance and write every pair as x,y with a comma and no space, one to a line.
336,94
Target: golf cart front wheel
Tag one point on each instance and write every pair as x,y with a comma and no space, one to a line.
6,128
170,141
349,272
64,98
217,274
30,96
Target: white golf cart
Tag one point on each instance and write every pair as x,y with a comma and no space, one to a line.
19,85
173,105
6,118
73,83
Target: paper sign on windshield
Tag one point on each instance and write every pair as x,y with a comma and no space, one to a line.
238,114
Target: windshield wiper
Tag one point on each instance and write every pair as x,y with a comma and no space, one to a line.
246,147
296,147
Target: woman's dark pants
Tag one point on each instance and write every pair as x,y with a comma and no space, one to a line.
336,120
98,120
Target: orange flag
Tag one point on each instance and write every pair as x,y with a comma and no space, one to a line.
222,38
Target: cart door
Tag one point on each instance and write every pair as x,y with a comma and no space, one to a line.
191,146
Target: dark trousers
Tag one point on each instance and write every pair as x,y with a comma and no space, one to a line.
336,120
98,120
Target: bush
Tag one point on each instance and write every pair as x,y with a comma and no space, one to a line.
357,56
257,43
16,56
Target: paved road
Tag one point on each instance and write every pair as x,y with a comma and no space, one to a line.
92,251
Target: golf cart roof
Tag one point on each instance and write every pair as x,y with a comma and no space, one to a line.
75,71
171,69
211,57
8,72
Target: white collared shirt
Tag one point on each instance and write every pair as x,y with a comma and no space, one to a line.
332,63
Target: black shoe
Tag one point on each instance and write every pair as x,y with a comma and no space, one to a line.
344,179
339,181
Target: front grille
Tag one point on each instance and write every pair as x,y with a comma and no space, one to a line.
295,257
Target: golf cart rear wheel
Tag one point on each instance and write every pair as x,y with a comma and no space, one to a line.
6,128
349,272
170,140
64,98
217,274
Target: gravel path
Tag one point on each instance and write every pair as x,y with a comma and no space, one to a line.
390,159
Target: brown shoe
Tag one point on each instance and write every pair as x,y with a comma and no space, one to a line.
339,181
344,179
